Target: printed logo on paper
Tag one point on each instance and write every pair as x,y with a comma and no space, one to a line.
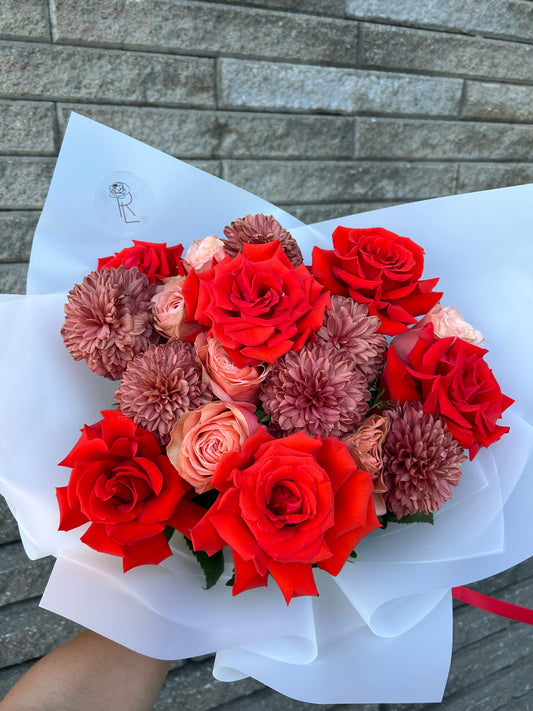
124,203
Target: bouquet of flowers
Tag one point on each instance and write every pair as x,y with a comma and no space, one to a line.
261,402
251,409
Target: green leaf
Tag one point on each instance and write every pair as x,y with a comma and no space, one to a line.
261,415
212,565
353,554
412,518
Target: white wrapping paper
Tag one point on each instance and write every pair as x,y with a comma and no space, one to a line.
381,630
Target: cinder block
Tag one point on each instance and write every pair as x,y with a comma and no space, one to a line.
13,278
20,577
24,20
441,140
73,73
328,181
397,48
200,28
498,102
27,127
199,134
25,182
193,686
505,18
9,531
28,632
17,229
485,176
291,87
333,8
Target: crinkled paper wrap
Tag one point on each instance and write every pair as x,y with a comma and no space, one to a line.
382,630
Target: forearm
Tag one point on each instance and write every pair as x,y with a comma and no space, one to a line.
89,673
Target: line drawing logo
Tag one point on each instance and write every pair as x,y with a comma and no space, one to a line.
122,194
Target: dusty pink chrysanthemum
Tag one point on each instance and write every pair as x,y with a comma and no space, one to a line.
349,327
316,390
108,319
257,229
160,385
421,461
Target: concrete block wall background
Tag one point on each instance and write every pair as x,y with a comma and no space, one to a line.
326,107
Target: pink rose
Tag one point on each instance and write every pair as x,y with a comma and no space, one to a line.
204,253
202,437
447,321
227,380
169,310
365,446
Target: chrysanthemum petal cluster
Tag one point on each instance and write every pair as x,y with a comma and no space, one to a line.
108,319
349,327
421,461
256,229
317,390
160,385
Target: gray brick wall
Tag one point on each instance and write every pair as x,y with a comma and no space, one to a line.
326,107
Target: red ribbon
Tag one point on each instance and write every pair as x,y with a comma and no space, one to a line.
490,604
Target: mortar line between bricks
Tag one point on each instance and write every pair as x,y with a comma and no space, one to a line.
443,30
285,11
515,699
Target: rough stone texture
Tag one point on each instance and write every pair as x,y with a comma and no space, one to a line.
498,102
484,176
389,47
28,631
333,8
224,134
24,20
197,28
16,230
313,180
9,531
291,87
25,182
13,278
27,127
21,578
501,18
78,73
441,140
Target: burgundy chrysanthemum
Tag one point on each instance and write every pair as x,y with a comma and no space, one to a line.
316,390
108,319
421,461
160,385
257,229
349,327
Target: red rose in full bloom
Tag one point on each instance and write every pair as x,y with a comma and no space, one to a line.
378,268
124,486
452,379
285,504
257,304
156,260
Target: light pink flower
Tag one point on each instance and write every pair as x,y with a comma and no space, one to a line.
228,381
365,445
202,437
201,254
447,321
168,308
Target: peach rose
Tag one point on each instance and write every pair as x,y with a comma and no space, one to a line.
201,254
201,438
169,310
447,321
365,446
228,381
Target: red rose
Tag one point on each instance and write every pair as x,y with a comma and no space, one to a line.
378,268
257,304
285,504
124,486
157,261
452,380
